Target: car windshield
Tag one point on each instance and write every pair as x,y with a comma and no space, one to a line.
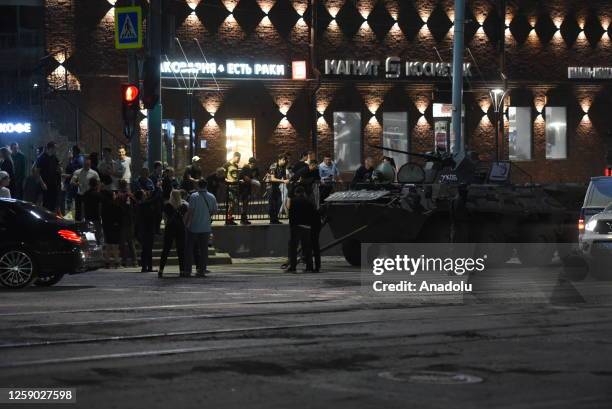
601,194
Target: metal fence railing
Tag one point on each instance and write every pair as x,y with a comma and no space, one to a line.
253,202
237,201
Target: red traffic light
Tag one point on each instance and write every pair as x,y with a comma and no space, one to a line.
130,94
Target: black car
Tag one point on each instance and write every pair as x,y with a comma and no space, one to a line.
38,246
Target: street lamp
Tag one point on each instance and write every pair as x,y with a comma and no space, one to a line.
497,98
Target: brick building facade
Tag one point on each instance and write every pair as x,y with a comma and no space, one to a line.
532,43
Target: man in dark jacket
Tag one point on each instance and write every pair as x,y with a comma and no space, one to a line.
278,176
302,164
75,162
92,201
19,162
249,177
192,174
127,246
301,215
311,178
50,174
232,181
146,215
315,231
214,182
364,173
169,183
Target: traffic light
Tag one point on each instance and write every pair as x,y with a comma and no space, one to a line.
130,107
130,94
150,83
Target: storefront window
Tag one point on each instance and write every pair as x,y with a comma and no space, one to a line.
168,138
395,136
239,138
347,140
444,137
442,130
556,133
519,136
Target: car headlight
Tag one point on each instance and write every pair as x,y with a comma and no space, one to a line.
590,226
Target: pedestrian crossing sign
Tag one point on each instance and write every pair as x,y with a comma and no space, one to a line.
128,27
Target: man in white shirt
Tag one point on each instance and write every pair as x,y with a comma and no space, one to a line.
328,171
81,178
329,174
112,168
126,162
198,220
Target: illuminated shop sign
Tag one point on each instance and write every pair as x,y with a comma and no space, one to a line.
298,70
589,73
170,69
15,127
393,68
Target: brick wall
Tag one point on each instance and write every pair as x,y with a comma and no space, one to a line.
541,40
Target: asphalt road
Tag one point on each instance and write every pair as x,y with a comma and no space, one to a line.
248,336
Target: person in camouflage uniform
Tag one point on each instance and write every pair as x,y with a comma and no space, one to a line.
232,175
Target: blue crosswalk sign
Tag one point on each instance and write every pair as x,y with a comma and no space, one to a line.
128,27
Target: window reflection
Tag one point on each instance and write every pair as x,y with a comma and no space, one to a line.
556,133
519,136
347,140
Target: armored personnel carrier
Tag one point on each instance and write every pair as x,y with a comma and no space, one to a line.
472,202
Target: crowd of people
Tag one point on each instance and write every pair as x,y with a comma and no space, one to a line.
125,208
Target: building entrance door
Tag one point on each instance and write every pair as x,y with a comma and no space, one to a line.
240,137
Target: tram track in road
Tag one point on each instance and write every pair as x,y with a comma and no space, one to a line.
178,317
160,307
186,306
428,309
421,314
358,340
225,331
172,334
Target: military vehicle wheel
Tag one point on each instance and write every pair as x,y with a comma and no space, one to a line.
351,249
538,248
491,243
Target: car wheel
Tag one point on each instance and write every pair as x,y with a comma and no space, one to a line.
17,268
48,280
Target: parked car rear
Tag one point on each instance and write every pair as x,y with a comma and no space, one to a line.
37,246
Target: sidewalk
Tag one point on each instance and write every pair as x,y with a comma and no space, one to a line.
238,265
